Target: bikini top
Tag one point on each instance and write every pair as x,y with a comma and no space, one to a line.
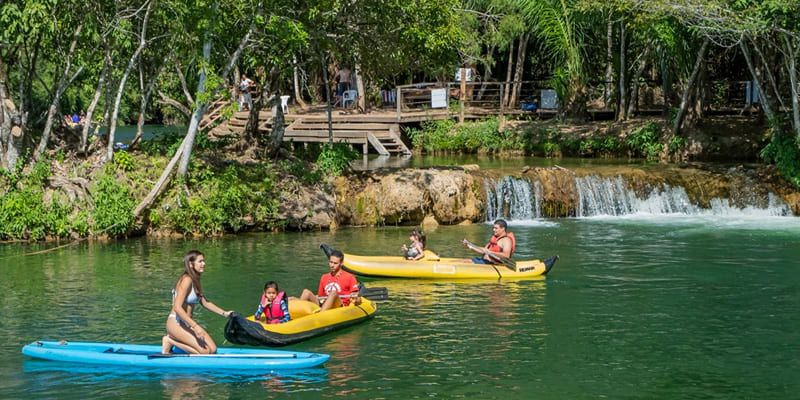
192,298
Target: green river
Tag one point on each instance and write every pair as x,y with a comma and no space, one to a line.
659,307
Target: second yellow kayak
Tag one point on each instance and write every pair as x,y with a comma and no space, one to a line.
433,267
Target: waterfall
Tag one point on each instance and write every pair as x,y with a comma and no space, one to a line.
513,199
518,199
611,196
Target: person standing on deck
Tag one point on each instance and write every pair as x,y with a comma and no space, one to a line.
245,99
343,80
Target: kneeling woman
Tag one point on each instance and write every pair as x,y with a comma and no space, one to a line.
182,331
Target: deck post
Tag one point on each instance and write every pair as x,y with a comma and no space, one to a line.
462,95
502,106
399,102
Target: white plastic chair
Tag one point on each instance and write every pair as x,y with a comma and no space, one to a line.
285,104
349,95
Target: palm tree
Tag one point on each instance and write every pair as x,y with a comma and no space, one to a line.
560,26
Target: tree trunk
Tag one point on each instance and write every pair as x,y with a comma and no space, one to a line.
278,129
622,110
63,82
184,86
765,103
791,53
11,127
676,128
145,92
770,76
608,87
166,100
298,94
189,139
327,98
520,68
487,76
509,69
98,91
360,87
201,106
162,181
633,104
199,111
112,125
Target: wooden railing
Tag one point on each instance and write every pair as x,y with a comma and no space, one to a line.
484,97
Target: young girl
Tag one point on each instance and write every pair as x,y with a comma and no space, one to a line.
182,331
416,250
274,306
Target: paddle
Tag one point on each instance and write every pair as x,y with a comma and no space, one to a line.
159,355
374,293
509,263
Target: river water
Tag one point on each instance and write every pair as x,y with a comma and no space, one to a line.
639,306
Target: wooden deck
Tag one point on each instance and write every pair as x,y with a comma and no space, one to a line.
380,128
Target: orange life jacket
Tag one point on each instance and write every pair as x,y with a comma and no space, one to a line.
494,245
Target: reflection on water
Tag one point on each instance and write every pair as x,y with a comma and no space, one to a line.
501,163
646,310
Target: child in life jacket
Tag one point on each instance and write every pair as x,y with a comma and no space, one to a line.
416,250
274,305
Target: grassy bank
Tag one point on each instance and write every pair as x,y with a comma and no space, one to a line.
62,198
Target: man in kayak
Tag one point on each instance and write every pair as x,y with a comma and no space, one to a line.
337,288
502,243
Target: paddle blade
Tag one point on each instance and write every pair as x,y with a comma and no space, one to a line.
326,249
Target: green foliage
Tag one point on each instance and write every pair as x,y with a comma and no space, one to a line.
676,144
334,159
162,145
223,201
784,152
645,141
124,161
113,206
551,149
24,214
469,137
303,170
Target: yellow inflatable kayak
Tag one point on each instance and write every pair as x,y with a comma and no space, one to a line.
307,321
433,267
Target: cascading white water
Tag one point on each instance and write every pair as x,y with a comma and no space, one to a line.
611,196
514,199
518,199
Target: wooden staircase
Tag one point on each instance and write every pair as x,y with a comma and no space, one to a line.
383,137
381,133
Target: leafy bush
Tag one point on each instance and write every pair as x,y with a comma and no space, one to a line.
301,169
551,149
676,144
334,159
469,137
124,161
783,151
113,206
644,141
23,211
222,201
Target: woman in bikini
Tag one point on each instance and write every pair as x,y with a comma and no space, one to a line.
182,331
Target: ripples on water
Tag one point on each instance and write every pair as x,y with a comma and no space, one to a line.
632,310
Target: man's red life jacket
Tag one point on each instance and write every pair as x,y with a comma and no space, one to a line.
494,245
